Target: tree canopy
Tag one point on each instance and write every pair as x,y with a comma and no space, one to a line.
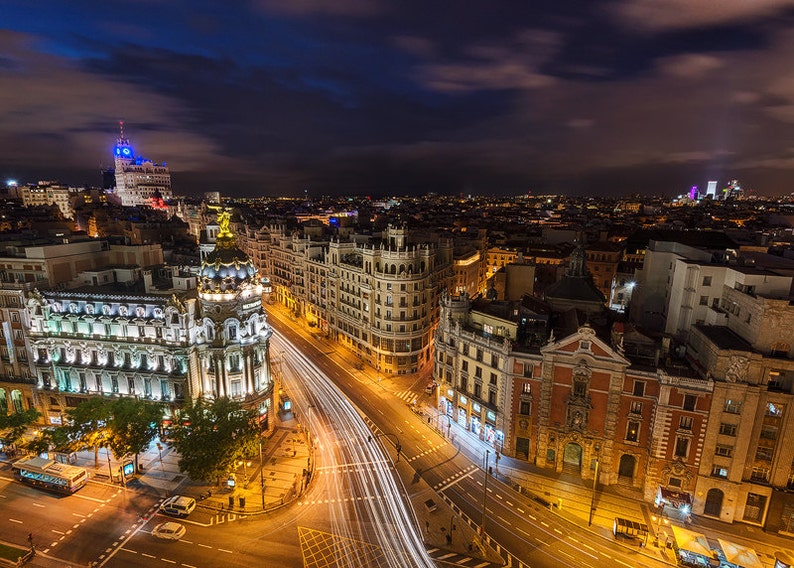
13,426
212,435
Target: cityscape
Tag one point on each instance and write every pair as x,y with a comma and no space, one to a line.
329,286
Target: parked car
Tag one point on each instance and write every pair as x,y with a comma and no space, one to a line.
169,531
178,506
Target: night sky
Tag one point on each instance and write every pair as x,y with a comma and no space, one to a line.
376,97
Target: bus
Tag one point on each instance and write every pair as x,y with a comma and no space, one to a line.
50,475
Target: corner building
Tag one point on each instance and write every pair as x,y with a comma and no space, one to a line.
196,339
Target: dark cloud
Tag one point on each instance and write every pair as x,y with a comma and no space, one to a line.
375,97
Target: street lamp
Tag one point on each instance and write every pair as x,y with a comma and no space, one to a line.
658,520
484,493
262,473
245,471
597,449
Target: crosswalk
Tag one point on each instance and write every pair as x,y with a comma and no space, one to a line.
408,396
452,479
444,557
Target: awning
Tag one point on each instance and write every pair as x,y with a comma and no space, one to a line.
739,555
691,541
674,497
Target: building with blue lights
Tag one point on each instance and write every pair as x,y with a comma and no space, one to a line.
138,179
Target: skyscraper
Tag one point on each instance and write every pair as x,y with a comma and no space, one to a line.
138,179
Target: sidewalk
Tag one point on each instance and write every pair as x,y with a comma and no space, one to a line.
285,457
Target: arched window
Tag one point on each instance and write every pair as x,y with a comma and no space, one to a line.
780,349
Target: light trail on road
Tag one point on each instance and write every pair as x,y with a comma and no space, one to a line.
379,502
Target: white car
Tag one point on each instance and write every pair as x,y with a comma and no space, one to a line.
178,506
169,531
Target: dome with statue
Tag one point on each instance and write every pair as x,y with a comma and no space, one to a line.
227,270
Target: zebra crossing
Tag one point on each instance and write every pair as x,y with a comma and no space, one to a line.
445,557
408,396
452,479
342,500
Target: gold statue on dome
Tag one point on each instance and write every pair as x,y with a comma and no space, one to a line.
224,218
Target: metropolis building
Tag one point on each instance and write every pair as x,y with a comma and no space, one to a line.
204,336
138,179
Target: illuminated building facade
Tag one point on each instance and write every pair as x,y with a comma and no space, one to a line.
17,380
233,337
139,181
86,343
165,345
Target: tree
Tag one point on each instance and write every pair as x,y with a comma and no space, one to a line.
13,425
56,438
132,426
211,436
88,423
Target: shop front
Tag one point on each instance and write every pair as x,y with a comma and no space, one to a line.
675,499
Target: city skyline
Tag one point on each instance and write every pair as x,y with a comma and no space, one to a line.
373,97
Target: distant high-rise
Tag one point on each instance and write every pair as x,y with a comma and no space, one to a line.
138,179
711,189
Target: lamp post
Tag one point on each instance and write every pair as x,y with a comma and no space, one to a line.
595,484
658,520
262,474
484,493
245,465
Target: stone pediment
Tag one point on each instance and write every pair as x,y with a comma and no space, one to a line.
584,342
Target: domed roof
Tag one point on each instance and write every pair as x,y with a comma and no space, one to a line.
226,269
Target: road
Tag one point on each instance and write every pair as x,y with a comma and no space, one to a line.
352,514
526,533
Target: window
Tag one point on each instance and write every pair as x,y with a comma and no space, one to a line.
707,281
725,451
130,385
681,447
639,388
760,473
685,422
465,366
478,372
773,409
464,384
492,397
733,406
633,431
768,432
728,429
477,390
636,407
526,388
493,379
704,300
719,471
524,407
775,380
584,345
764,454
690,401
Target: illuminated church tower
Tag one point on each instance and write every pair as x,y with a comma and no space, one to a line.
139,181
233,334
